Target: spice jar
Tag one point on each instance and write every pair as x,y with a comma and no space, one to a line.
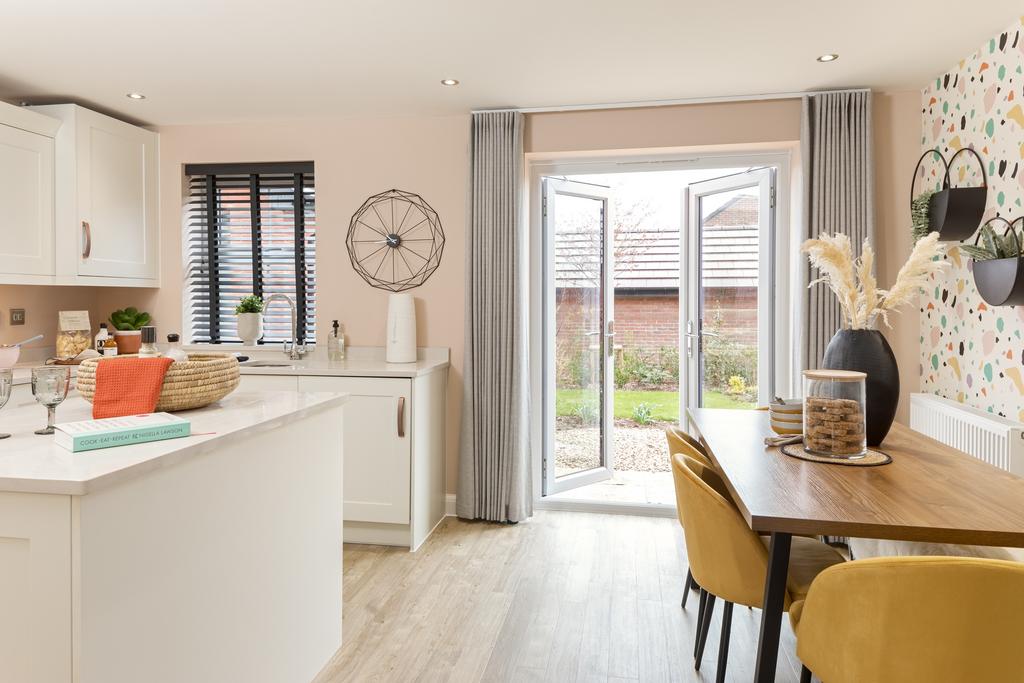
834,413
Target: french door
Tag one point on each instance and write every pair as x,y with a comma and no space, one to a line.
726,320
579,266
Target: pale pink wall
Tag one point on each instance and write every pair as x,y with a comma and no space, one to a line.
353,158
692,125
41,305
897,119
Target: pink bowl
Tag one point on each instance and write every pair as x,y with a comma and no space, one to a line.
9,356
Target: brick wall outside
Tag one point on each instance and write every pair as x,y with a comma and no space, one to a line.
651,321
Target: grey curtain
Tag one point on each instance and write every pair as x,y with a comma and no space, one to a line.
838,196
494,465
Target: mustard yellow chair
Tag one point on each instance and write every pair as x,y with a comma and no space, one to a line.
681,442
913,620
727,559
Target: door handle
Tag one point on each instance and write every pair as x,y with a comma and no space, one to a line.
86,239
401,416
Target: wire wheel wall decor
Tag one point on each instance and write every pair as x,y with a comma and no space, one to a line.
395,240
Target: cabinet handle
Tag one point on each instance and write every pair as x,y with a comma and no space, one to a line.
401,416
87,239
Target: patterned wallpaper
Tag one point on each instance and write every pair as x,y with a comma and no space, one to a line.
971,352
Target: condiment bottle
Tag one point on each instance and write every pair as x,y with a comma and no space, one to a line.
101,337
148,348
109,347
174,350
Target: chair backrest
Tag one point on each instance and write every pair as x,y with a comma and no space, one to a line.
725,556
681,442
914,619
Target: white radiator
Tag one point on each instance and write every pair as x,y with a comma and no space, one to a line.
996,440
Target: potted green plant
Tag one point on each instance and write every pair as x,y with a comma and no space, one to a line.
998,264
127,324
250,319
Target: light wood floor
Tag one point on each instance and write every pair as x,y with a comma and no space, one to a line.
561,597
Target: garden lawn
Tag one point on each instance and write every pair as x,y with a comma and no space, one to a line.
664,404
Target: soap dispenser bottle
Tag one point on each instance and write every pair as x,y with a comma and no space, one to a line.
336,343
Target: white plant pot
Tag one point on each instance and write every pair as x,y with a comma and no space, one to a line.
250,327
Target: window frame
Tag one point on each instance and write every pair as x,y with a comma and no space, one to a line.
209,174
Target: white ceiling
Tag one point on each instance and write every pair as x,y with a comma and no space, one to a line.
229,60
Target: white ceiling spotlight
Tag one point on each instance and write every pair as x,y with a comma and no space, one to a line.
135,96
831,57
449,81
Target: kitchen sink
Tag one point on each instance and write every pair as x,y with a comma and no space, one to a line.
265,364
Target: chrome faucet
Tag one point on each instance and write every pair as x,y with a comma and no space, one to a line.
294,350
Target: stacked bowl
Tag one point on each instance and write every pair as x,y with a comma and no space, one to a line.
787,416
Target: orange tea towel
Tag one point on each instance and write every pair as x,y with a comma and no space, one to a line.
128,386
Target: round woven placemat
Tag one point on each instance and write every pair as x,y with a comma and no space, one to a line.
872,458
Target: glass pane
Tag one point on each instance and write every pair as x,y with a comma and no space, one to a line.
729,264
579,339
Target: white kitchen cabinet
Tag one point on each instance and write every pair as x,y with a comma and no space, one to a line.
35,587
26,196
394,445
378,441
107,206
394,455
26,202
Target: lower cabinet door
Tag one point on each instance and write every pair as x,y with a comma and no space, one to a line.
377,443
268,383
35,587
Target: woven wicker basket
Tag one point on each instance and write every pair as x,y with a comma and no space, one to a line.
205,378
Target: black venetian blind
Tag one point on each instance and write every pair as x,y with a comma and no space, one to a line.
250,229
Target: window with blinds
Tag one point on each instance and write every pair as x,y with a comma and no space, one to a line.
250,229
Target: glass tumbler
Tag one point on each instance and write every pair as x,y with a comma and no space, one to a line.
50,385
6,387
834,410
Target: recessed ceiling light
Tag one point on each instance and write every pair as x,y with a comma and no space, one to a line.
828,58
135,96
449,81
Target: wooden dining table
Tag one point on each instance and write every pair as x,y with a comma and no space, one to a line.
929,492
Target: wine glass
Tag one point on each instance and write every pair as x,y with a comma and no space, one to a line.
6,386
50,385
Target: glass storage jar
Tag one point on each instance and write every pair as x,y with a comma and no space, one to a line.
834,424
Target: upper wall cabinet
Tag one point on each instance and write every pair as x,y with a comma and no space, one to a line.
26,194
107,208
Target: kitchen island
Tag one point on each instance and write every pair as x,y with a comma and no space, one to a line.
214,557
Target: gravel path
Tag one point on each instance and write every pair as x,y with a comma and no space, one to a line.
636,448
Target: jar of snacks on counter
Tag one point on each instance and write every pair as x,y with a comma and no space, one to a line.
834,422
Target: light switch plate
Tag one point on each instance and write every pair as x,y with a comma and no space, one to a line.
17,316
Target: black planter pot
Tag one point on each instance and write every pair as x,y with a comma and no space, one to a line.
867,351
1000,281
954,212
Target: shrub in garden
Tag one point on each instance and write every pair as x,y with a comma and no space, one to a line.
643,413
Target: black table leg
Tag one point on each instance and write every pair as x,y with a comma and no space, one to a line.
771,610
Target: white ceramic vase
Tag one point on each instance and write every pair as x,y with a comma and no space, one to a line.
250,327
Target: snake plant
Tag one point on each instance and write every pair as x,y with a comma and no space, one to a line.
920,225
994,246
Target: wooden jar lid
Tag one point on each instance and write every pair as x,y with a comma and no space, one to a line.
836,375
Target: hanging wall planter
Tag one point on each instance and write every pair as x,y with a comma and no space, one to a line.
1000,281
954,212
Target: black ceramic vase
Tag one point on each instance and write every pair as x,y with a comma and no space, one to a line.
867,351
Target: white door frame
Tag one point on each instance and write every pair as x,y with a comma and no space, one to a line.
690,333
553,188
781,156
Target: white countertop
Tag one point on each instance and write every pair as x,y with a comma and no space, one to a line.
34,464
360,361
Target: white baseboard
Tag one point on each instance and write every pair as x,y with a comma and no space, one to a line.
449,505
